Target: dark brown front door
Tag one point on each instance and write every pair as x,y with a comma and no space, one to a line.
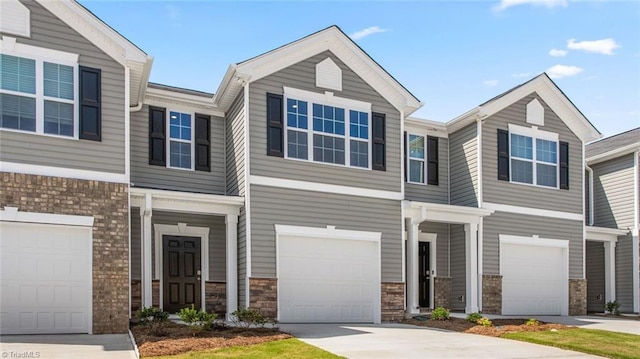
181,273
424,296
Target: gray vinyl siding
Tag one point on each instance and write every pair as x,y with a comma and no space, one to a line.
217,238
504,192
463,154
458,267
302,76
108,155
136,244
271,206
595,276
148,176
242,258
235,133
587,204
624,273
432,193
527,226
613,192
442,245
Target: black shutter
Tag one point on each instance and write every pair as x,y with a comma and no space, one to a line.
203,143
275,116
157,136
90,104
503,155
378,157
406,163
432,160
564,165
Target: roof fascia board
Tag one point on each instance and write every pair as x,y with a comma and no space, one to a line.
622,151
160,96
463,120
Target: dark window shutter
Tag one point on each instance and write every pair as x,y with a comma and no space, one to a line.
275,116
432,160
157,136
503,155
203,143
90,104
564,165
378,130
406,163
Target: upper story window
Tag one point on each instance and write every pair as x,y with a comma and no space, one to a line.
422,159
416,159
180,144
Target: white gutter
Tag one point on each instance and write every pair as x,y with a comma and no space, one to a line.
146,72
591,209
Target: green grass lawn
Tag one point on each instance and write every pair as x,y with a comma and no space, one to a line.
287,348
590,341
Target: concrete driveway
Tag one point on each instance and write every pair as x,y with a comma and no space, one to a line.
63,346
407,341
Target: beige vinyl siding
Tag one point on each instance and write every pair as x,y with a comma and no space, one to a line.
217,238
136,244
160,177
463,154
458,267
527,226
624,273
595,276
235,134
271,206
442,245
302,76
516,194
432,193
613,192
108,155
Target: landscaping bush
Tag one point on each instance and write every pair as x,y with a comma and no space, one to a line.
440,313
148,315
198,319
485,322
250,317
474,317
533,322
613,307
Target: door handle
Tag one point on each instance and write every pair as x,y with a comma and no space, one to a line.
198,272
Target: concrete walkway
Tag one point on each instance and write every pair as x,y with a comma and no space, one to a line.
408,341
64,346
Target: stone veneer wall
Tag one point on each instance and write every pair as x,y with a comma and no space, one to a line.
442,292
108,204
155,293
491,294
392,302
136,295
263,295
215,294
577,296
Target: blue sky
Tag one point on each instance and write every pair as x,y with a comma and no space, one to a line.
452,55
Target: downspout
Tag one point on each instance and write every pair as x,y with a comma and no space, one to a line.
590,204
635,237
480,204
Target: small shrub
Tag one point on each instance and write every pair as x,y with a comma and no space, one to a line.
613,307
249,317
485,322
473,317
440,313
147,315
198,319
533,322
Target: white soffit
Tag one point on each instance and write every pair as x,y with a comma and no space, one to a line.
15,18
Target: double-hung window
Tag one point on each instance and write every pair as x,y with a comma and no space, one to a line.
180,143
534,157
328,134
359,145
416,151
297,133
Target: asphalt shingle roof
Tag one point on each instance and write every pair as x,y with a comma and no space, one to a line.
611,143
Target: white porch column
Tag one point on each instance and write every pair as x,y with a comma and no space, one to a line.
610,271
412,268
147,272
232,263
471,254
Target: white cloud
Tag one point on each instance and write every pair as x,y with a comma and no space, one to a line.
560,71
521,75
490,83
604,46
558,53
366,32
505,4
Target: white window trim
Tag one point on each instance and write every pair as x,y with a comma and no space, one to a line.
409,158
327,99
535,134
8,46
169,139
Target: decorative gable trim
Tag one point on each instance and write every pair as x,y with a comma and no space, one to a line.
328,75
15,18
535,113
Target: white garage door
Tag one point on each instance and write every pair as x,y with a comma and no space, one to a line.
533,279
328,280
45,281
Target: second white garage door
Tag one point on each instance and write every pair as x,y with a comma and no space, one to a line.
328,280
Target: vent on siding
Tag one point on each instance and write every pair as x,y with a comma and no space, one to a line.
14,18
328,75
535,113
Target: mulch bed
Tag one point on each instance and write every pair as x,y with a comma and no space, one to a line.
500,326
172,338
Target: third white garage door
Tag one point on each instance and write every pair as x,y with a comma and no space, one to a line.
328,280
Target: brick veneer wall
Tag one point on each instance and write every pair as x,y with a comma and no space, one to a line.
577,296
155,293
108,204
442,292
392,302
263,295
215,294
491,294
136,295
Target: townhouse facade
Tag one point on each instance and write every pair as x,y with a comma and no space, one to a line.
302,187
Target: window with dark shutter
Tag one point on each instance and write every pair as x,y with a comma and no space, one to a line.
203,142
503,155
564,165
432,160
275,138
378,138
157,136
90,104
